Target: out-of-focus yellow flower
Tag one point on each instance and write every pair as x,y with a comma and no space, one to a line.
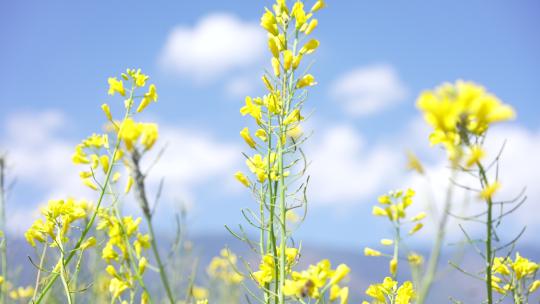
116,86
523,267
415,259
413,163
458,111
488,192
107,110
149,135
371,252
475,155
387,242
393,266
318,5
534,286
416,228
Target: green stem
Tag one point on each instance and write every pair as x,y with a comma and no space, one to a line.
63,268
38,276
489,232
283,224
431,271
143,202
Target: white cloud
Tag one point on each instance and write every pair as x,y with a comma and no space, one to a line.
217,44
345,170
240,87
40,158
191,159
368,90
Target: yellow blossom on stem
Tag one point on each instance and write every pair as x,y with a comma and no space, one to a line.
247,138
116,86
488,192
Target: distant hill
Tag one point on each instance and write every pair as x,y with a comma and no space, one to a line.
365,270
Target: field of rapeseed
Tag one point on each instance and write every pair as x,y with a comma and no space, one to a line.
97,251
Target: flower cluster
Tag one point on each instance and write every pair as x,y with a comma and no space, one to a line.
316,280
223,268
58,218
96,151
389,292
515,277
124,249
393,206
268,269
460,114
276,114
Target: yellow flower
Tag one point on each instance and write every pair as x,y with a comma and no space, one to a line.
149,135
371,252
420,216
415,259
199,293
413,163
387,242
312,25
252,109
476,154
273,42
276,66
143,262
293,117
378,211
523,267
318,5
309,47
405,293
393,266
307,80
499,265
534,286
140,78
107,110
116,86
416,227
129,184
341,271
150,96
287,59
247,137
90,242
488,192
242,178
268,22
261,134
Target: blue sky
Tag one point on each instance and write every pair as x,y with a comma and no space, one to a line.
56,57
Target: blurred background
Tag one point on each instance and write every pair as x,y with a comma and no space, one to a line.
205,56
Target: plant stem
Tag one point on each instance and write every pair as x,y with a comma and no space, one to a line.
38,276
431,271
140,194
489,232
283,223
